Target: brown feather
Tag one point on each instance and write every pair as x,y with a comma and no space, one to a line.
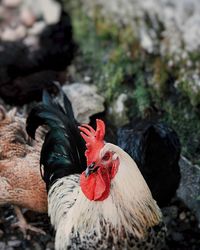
20,180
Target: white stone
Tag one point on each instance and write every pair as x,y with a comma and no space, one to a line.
85,101
34,6
118,110
32,42
11,3
51,11
8,35
27,17
20,32
37,28
180,20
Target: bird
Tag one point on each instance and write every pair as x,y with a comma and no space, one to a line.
156,150
21,184
25,71
97,197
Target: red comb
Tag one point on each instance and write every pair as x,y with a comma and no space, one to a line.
94,140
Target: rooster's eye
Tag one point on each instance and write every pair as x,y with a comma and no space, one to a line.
106,157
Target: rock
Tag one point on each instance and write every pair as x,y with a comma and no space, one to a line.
12,35
1,11
11,3
50,246
20,32
169,214
189,189
176,236
180,21
182,216
32,42
118,111
87,79
1,233
37,246
51,11
85,101
2,246
27,17
14,243
8,35
37,28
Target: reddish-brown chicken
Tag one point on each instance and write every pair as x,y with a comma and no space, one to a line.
20,179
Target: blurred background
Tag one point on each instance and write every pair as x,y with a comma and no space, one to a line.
120,60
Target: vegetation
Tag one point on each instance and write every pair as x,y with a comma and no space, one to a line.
115,62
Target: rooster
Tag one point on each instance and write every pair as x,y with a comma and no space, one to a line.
97,197
21,184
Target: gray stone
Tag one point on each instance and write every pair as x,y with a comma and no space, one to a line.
2,246
118,110
189,189
176,236
169,213
1,233
50,246
85,100
14,243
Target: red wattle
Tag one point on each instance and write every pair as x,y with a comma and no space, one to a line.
96,186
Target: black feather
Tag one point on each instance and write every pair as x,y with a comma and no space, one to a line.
156,149
63,150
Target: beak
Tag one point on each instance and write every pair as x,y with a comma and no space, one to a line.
90,169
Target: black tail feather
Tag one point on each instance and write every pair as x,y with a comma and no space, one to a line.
63,151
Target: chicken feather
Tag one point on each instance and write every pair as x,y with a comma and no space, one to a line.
20,180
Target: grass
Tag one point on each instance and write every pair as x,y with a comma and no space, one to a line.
117,64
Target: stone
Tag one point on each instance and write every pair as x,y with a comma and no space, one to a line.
27,17
85,100
1,233
176,236
8,35
2,246
20,32
118,110
14,243
51,11
50,246
32,42
2,9
182,216
37,28
189,188
180,21
11,3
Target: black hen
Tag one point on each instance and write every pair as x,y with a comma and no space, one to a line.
25,72
63,149
156,149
